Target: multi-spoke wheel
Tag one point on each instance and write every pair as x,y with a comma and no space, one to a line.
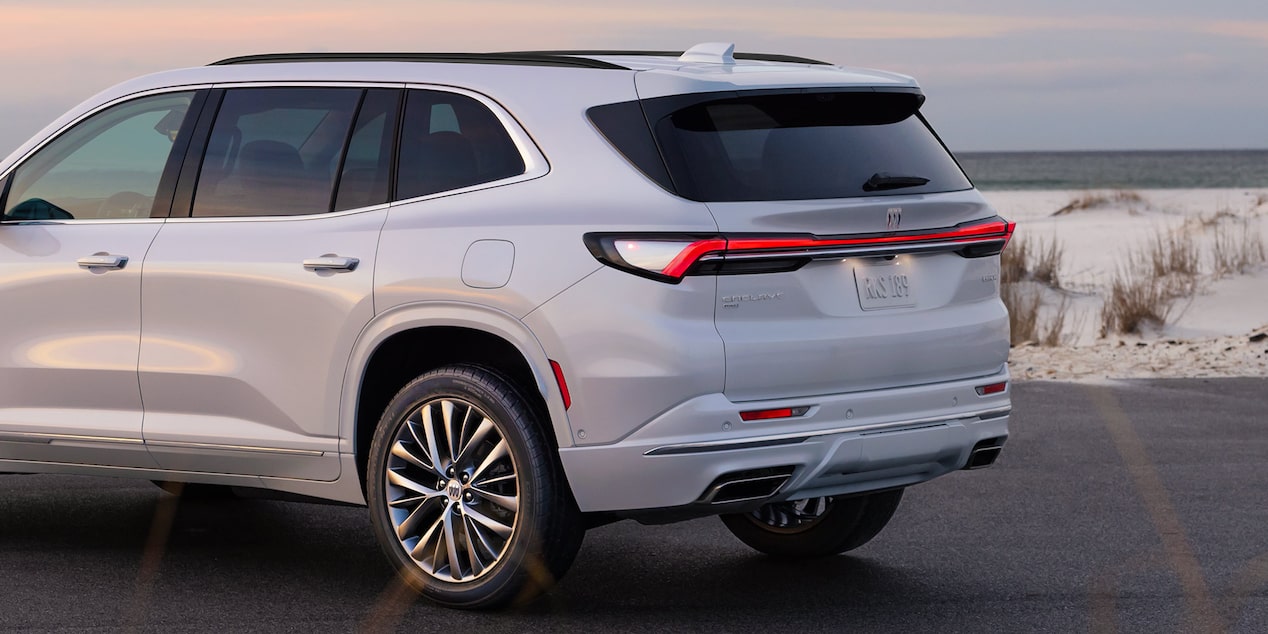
815,527
466,498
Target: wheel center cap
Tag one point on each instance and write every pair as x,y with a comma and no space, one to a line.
453,490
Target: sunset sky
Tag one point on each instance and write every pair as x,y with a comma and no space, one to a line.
1000,75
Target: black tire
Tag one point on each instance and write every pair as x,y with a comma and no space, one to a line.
817,527
491,554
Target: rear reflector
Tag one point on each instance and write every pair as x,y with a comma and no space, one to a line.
670,257
993,388
563,384
767,414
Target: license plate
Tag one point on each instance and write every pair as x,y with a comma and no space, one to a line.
883,287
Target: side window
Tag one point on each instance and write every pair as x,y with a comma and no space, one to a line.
275,151
364,179
107,166
450,141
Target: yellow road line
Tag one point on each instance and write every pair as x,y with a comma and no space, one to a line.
1204,616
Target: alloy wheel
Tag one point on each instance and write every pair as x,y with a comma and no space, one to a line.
452,490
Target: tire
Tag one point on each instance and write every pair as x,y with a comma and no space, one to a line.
466,497
817,527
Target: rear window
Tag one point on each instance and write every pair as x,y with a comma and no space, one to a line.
805,146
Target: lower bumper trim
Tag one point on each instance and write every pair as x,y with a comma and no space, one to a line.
791,439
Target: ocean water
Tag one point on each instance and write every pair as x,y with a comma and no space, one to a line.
1202,169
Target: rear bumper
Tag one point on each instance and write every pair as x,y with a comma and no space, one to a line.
844,444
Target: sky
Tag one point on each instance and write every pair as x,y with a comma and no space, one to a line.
999,75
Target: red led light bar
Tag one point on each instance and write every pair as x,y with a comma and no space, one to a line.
972,233
992,232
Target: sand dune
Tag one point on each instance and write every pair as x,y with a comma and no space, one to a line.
1220,330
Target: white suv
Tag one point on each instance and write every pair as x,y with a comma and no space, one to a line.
501,298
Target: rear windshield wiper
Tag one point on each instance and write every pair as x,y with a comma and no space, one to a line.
882,180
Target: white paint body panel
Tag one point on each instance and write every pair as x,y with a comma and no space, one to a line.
244,347
69,348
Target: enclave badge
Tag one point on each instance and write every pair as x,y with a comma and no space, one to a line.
893,218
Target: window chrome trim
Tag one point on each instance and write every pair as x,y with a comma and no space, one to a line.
535,163
84,221
280,217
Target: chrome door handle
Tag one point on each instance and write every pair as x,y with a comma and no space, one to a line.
330,262
102,261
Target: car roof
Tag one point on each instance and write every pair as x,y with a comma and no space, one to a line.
708,65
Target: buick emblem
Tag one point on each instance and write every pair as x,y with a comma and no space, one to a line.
454,490
893,218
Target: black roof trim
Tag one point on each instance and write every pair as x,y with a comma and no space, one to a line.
573,59
523,59
758,57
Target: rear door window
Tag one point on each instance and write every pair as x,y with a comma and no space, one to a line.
805,146
275,151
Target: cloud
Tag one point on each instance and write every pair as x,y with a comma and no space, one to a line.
113,28
1251,30
59,52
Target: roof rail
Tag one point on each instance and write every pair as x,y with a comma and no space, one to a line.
527,58
757,57
574,59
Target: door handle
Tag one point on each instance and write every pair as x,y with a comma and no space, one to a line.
102,261
331,262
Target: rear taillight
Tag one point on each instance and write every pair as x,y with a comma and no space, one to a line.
664,257
670,257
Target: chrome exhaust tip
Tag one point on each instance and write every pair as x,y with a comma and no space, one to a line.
984,453
746,486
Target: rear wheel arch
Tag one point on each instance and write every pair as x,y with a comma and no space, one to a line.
400,347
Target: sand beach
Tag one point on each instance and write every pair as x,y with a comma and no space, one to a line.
1216,319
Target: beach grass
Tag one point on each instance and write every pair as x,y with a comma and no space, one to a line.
1096,199
1027,272
1136,299
1237,249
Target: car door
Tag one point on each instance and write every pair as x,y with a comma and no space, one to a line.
79,215
253,301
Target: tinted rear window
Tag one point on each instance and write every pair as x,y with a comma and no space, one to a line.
805,146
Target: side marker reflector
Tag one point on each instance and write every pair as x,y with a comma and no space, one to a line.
994,388
767,414
563,384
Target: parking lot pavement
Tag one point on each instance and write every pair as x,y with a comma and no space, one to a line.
1137,506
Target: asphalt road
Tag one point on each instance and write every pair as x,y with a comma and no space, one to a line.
1137,506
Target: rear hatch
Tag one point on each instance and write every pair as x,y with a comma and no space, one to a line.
857,254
